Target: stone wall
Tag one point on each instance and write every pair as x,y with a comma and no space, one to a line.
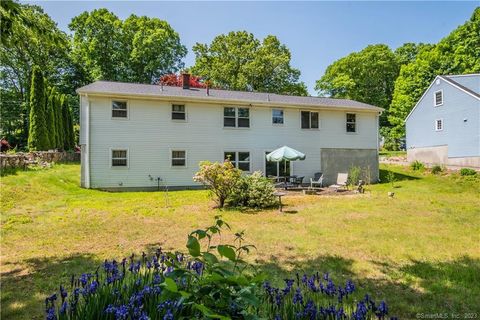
22,160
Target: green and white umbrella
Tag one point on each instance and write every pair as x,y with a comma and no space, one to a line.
285,153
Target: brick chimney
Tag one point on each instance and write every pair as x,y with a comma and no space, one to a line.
186,80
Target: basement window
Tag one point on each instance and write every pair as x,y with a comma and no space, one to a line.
438,97
240,159
119,109
119,157
179,158
178,112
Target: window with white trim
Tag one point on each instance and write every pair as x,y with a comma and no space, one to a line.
119,157
236,117
439,125
240,159
119,109
277,116
351,122
310,120
178,112
438,98
179,158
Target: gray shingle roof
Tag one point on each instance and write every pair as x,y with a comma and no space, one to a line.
148,90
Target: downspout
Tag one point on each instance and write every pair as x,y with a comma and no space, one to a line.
87,138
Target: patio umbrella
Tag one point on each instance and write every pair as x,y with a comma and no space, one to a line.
285,153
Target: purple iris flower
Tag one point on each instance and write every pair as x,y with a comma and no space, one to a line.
297,297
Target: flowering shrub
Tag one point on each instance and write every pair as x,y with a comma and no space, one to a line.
212,282
221,178
318,297
254,191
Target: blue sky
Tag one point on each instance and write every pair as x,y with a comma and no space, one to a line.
317,33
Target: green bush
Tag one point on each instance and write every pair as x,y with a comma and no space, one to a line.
354,175
253,191
436,169
417,165
467,172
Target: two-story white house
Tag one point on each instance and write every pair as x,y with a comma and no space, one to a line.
133,133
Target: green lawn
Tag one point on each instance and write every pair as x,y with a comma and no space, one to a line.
419,250
389,154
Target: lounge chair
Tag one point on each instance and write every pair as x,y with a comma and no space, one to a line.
341,181
317,180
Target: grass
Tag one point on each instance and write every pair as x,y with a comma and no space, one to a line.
388,154
418,250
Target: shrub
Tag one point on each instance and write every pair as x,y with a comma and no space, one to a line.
212,281
391,178
467,172
436,169
220,178
253,191
417,165
354,175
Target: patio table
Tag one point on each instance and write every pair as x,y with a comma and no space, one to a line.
280,195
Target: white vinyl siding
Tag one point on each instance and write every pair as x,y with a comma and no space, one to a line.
150,135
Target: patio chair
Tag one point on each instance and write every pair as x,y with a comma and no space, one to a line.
341,182
297,181
317,180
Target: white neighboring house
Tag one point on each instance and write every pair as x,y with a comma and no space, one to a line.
133,133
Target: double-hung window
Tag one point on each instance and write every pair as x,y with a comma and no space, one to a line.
438,98
179,158
119,109
240,159
439,125
351,123
310,120
235,117
277,116
119,157
178,112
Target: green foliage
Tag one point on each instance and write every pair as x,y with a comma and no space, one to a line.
467,172
367,76
458,53
68,142
354,175
220,178
253,191
36,41
59,102
38,134
50,119
417,165
436,169
239,61
139,49
391,178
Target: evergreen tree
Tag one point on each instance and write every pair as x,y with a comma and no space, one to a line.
38,135
60,127
50,118
67,125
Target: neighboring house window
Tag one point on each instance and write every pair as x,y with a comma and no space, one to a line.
240,159
351,122
438,98
179,158
236,117
119,109
439,125
119,157
277,116
178,112
309,120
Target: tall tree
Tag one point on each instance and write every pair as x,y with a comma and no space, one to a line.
239,61
458,53
59,101
139,49
367,76
36,41
49,118
38,134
